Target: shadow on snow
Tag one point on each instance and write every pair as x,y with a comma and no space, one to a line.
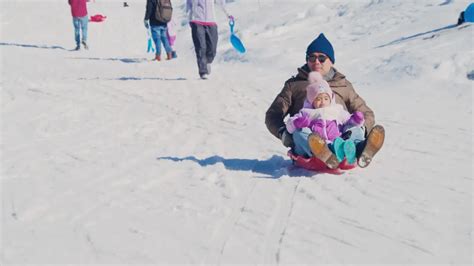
123,60
446,2
33,46
275,167
134,78
402,39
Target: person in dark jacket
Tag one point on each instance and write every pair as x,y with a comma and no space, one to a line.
320,57
80,21
158,30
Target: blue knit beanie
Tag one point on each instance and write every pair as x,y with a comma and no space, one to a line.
321,45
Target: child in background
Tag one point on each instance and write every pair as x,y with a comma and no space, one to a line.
322,116
171,35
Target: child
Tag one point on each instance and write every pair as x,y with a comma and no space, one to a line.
171,35
321,115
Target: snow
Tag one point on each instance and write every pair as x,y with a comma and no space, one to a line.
110,158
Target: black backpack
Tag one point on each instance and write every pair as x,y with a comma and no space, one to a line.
164,10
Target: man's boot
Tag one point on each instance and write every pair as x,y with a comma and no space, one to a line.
169,56
373,144
320,150
157,58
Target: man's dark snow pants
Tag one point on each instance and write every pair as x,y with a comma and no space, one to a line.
205,43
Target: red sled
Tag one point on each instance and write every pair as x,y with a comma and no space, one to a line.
97,18
314,164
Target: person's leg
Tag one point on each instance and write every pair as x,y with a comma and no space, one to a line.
337,147
155,35
77,35
300,138
199,40
212,38
373,144
84,25
349,149
164,40
321,151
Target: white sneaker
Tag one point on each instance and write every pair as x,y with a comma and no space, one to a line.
204,76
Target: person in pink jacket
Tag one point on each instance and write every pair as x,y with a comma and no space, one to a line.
321,115
80,21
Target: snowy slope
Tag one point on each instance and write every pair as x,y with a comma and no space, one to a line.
110,158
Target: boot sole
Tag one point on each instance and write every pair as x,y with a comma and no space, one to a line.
320,150
374,144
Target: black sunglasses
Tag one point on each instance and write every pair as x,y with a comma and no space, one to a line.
312,58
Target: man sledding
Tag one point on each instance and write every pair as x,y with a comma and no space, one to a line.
333,133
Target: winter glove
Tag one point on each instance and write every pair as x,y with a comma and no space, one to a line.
317,125
356,119
147,23
286,138
346,135
302,121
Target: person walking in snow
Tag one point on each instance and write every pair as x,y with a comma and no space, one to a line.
322,115
204,32
320,57
158,30
80,21
171,35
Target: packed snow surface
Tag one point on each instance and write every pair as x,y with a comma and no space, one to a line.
108,157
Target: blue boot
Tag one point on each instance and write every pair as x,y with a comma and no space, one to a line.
350,151
338,146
